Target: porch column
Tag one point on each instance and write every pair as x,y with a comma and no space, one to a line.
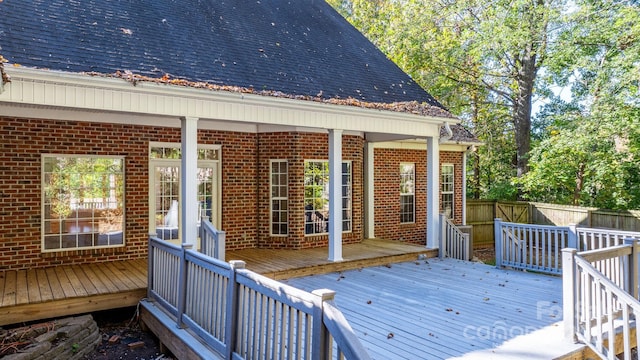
369,203
464,187
335,195
433,191
189,180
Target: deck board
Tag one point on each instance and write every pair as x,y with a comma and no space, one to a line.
9,297
438,309
67,286
54,283
43,285
76,284
22,292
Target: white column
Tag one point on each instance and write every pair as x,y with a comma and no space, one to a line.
464,187
369,202
189,180
433,191
335,195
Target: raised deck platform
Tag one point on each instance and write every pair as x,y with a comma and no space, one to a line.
37,294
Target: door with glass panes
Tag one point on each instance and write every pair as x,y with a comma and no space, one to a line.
164,195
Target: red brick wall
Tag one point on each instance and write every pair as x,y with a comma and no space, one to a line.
245,181
23,140
387,192
295,148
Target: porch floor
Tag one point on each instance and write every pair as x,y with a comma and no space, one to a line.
37,294
285,264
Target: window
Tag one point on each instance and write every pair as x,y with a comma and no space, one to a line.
279,197
82,202
447,188
407,193
316,197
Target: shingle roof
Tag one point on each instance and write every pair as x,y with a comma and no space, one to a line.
297,47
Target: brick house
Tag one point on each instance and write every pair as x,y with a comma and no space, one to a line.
122,119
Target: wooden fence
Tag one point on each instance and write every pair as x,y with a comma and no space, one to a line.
481,213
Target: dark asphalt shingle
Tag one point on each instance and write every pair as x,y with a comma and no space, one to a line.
298,47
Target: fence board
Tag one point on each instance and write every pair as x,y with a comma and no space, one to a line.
481,213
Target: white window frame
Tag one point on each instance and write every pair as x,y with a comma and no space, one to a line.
447,188
280,199
88,232
346,197
406,192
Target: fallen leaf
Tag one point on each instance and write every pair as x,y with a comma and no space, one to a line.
390,336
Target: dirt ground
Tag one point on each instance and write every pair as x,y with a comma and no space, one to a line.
124,339
486,255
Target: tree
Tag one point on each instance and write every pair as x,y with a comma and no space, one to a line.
588,152
481,59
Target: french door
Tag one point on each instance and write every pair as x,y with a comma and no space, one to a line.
165,202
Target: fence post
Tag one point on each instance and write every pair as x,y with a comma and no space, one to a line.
182,284
443,236
568,293
572,239
321,340
231,318
497,239
634,266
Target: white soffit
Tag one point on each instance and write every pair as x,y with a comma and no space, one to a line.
75,92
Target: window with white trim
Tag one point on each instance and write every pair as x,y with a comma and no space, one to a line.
407,193
447,189
316,197
82,202
279,197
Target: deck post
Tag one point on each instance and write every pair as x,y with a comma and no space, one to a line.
497,239
572,238
182,285
568,293
150,267
231,319
321,341
442,251
634,267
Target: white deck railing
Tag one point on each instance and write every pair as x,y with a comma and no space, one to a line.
538,247
600,290
212,240
244,315
453,242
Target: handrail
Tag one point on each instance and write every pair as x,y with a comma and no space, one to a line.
600,302
348,345
453,242
241,314
212,240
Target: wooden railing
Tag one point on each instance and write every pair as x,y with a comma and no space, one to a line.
244,315
538,247
453,242
600,290
212,240
531,247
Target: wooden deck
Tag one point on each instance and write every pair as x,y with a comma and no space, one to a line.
286,264
444,309
36,294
